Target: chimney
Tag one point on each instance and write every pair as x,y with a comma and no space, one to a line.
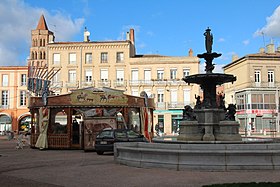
127,35
86,35
270,48
262,50
131,36
51,38
234,57
190,52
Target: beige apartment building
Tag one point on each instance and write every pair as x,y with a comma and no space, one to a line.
256,91
116,64
14,114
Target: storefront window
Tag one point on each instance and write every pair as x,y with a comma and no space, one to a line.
160,123
175,123
25,124
5,124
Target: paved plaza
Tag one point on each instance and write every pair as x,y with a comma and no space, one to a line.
50,168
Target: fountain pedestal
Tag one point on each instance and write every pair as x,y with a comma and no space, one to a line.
190,131
228,131
210,126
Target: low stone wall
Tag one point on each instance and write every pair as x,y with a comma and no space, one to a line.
211,156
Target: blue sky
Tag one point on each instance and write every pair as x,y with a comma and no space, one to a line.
166,27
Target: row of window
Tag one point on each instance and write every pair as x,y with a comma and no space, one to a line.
270,76
72,57
5,80
38,43
256,101
38,56
104,75
160,96
5,98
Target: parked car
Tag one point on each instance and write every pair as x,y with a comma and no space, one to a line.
107,137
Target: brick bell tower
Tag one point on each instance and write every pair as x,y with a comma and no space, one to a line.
40,37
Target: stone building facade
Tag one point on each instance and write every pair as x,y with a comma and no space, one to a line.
14,114
256,91
116,64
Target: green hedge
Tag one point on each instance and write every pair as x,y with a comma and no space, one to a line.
252,184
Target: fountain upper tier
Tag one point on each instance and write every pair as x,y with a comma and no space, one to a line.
208,83
209,78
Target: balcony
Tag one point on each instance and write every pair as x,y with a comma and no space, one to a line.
119,83
4,106
147,82
87,84
54,85
72,84
157,82
103,83
175,82
160,82
135,83
161,105
176,105
265,84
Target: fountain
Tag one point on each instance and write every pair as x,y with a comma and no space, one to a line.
209,136
210,120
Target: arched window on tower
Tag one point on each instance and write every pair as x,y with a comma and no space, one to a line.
32,55
44,55
35,55
44,42
40,42
40,55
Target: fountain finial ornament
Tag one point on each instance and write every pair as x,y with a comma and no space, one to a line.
208,40
208,56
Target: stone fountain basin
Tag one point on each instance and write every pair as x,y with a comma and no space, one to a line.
213,155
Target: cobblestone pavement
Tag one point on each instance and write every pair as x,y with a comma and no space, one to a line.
50,168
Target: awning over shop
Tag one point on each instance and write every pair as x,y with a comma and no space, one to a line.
178,112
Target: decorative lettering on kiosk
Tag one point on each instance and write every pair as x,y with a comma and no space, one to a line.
85,97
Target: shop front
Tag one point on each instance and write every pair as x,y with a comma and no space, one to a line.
5,123
258,121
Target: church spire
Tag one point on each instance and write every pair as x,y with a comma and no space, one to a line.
42,25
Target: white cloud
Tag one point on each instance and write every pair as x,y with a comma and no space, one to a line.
126,28
246,42
65,28
17,19
221,40
150,33
141,45
218,68
272,27
135,27
137,37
